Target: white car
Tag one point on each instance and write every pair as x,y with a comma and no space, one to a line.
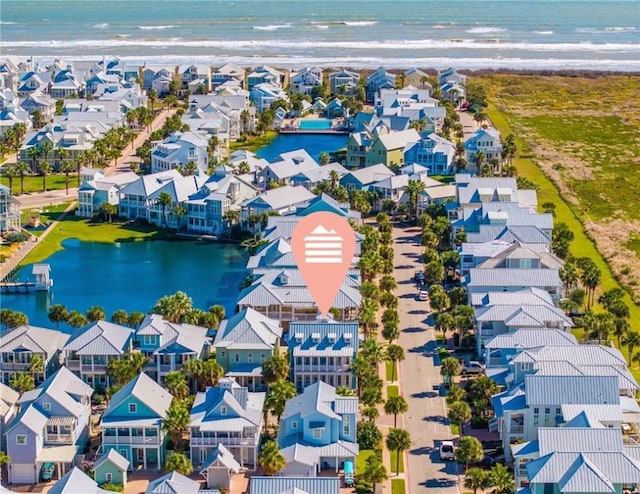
423,295
447,451
472,367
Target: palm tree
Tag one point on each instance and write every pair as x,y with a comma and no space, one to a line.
367,315
164,201
212,371
177,462
388,283
67,168
450,368
469,450
271,459
33,153
176,384
370,413
11,172
218,311
135,319
501,479
632,340
398,440
394,406
22,382
279,393
414,189
374,471
193,369
76,319
459,413
395,353
44,168
45,148
36,365
119,317
153,96
176,423
22,168
95,313
373,352
476,478
245,117
276,367
173,307
58,313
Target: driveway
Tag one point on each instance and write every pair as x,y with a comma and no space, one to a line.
426,419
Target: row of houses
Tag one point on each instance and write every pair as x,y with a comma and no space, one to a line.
567,414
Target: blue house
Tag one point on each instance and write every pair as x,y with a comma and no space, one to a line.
51,427
169,345
323,351
318,431
111,468
230,415
132,424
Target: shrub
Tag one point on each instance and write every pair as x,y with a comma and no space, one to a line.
112,487
369,437
15,237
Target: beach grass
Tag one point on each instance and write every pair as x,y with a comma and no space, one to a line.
554,153
33,183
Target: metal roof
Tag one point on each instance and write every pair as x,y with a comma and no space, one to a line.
173,483
224,456
33,338
579,439
532,338
279,485
505,277
100,338
114,457
558,390
248,329
147,391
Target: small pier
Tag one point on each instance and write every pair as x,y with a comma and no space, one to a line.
42,281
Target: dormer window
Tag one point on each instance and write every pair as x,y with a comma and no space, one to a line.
133,408
298,337
331,337
315,337
46,406
348,336
283,278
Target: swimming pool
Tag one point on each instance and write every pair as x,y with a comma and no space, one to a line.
315,124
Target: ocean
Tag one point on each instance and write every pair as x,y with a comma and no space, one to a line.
466,34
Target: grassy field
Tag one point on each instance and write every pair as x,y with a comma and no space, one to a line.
34,183
253,143
361,460
583,135
398,486
84,229
561,156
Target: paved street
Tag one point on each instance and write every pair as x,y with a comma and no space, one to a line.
420,378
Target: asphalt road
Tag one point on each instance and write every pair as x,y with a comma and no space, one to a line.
420,378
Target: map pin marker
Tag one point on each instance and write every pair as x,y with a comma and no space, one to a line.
323,245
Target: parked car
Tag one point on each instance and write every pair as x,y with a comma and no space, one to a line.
423,295
47,471
472,367
447,451
419,276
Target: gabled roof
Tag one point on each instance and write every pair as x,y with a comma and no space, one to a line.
502,277
281,485
100,338
173,483
224,456
174,337
371,174
583,355
320,397
558,390
33,339
147,391
8,399
579,439
248,329
280,198
113,457
532,338
75,481
398,140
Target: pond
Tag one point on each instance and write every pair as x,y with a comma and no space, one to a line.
314,144
133,276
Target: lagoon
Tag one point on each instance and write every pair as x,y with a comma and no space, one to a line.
314,144
133,276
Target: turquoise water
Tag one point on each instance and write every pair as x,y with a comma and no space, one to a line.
314,144
468,34
315,124
133,276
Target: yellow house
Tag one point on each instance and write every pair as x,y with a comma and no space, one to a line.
388,148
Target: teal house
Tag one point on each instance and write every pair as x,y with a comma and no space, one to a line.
111,468
132,424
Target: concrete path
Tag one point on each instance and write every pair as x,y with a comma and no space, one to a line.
426,419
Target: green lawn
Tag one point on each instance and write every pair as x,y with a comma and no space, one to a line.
389,370
398,486
253,143
361,460
392,391
34,183
455,429
394,459
86,230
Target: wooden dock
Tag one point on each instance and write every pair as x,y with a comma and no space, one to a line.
17,286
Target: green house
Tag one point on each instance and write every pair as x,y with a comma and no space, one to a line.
111,468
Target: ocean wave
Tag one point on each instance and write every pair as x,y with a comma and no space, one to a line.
486,30
359,23
101,25
150,28
543,32
7,23
625,29
392,62
286,45
321,26
272,27
123,35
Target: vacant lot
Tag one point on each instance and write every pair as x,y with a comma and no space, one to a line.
584,134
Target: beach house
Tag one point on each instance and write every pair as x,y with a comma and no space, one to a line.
179,149
111,468
51,427
132,423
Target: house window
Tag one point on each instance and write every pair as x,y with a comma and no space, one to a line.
250,357
133,408
294,424
46,406
223,410
21,439
123,452
237,357
108,477
547,411
346,425
317,433
222,354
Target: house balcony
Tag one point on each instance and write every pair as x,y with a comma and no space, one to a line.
124,440
73,364
516,428
167,367
227,441
59,438
494,362
14,366
323,368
